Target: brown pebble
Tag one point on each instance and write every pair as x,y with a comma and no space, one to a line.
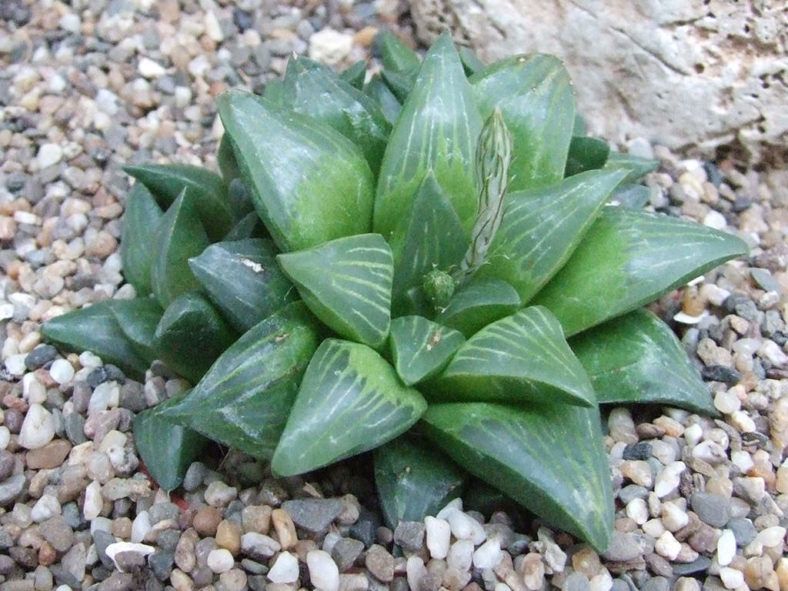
586,561
185,558
759,572
49,456
47,555
365,36
380,563
256,518
228,536
285,528
649,431
704,539
206,520
121,528
659,566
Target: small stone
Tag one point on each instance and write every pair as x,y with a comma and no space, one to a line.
330,46
61,371
638,471
488,555
285,528
732,578
667,546
623,547
438,536
771,536
220,560
621,425
743,530
742,422
284,569
140,526
93,501
126,554
228,536
727,402
57,532
256,518
576,582
674,517
465,527
150,69
409,535
380,563
38,428
40,356
45,508
323,571
48,155
668,479
460,555
49,456
657,583
532,569
637,510
259,546
313,515
712,509
726,547
345,552
206,520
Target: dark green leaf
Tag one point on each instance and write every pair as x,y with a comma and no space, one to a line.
636,166
382,95
139,225
400,83
350,401
346,283
244,399
138,319
421,348
579,127
431,237
521,357
309,183
226,159
240,199
243,280
95,329
586,153
413,480
548,458
635,359
166,448
629,258
168,181
191,335
249,226
396,56
542,227
178,237
436,131
534,94
275,93
632,196
478,304
355,74
470,61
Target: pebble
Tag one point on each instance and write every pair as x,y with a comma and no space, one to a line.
323,571
623,547
284,569
488,555
726,547
313,515
48,456
732,578
380,563
438,535
285,528
712,509
220,560
38,428
667,546
259,546
206,520
330,46
61,371
48,155
668,479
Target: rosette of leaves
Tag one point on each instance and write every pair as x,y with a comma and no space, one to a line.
434,264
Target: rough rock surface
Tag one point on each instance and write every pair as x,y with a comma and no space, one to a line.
633,62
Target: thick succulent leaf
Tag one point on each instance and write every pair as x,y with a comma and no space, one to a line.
275,94
541,228
178,237
470,61
316,91
167,448
138,319
139,225
95,329
249,226
414,480
382,95
355,74
421,348
478,304
436,131
243,280
168,181
309,183
346,283
400,83
521,357
240,199
350,401
191,335
396,56
629,258
431,237
226,159
534,94
632,196
579,127
244,399
637,359
549,458
636,166
586,153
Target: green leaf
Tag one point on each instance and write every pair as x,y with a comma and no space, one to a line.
396,56
431,237
138,319
95,329
275,93
470,61
139,225
636,166
541,228
178,237
226,159
400,83
249,226
478,304
346,283
309,183
166,448
167,181
586,153
548,458
240,199
350,401
534,94
382,95
629,258
244,399
316,91
436,131
632,196
421,348
414,480
637,359
243,280
191,335
521,357
579,127
355,74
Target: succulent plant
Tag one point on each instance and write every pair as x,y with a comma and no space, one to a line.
435,264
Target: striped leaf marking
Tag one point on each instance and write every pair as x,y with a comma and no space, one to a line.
244,399
421,348
522,357
542,227
347,284
478,304
637,358
550,459
629,258
350,401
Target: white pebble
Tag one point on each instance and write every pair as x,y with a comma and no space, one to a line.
415,571
15,364
668,480
212,27
285,569
450,507
438,536
732,578
716,295
726,547
330,46
88,359
61,371
218,494
771,536
106,395
773,354
460,555
742,422
38,428
5,437
465,527
70,22
742,460
220,560
93,501
693,434
488,555
602,581
151,69
48,155
714,219
727,402
140,526
653,528
667,546
710,452
46,507
32,390
637,510
323,571
118,547
673,516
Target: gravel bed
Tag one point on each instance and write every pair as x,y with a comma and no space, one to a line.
90,86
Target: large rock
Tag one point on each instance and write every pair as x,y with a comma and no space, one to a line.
684,73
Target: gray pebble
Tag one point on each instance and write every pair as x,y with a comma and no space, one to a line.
102,539
631,492
257,582
195,474
132,397
168,539
714,510
577,581
623,547
7,564
409,535
345,552
5,540
700,564
764,280
6,464
160,563
743,530
57,532
313,515
73,516
11,488
117,582
365,529
656,584
162,511
75,428
40,356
